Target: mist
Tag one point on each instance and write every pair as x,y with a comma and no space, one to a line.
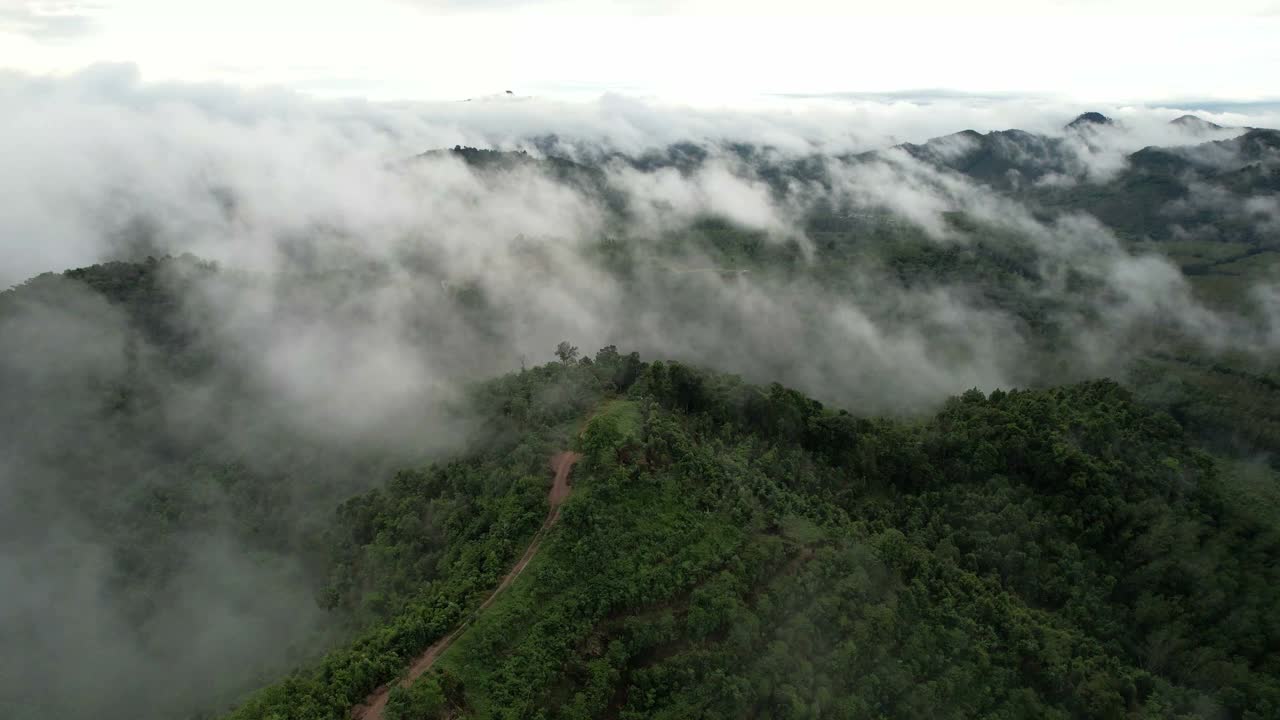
343,290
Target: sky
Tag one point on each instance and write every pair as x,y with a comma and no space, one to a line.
697,51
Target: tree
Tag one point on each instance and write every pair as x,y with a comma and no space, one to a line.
566,352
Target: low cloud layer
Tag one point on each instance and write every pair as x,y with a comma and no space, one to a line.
48,21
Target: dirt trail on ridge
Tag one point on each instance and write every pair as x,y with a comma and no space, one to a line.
561,464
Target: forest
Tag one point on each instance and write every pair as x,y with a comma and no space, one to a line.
734,550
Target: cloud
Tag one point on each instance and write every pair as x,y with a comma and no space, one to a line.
665,200
49,21
269,180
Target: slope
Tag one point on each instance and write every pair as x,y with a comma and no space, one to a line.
561,463
740,551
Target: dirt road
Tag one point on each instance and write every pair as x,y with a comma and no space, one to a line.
561,464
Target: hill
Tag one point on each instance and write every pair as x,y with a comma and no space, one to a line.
741,551
1088,120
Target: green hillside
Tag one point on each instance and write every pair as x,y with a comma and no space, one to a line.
739,551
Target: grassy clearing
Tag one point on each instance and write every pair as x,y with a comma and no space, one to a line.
801,530
625,414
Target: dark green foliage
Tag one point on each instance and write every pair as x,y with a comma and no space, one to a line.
409,561
390,543
415,556
1071,518
734,551
429,697
1234,407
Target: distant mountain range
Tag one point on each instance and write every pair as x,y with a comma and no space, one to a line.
1147,194
1016,159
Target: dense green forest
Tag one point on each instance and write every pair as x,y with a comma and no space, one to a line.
733,551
